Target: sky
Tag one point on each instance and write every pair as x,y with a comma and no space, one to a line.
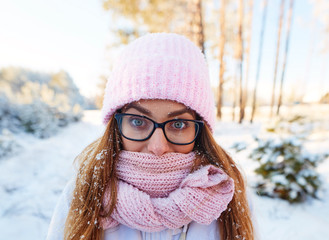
50,35
307,64
56,34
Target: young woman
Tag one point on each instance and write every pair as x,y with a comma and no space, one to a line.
157,172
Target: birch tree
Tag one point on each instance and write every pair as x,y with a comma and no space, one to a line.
221,48
277,55
249,18
284,65
260,49
240,59
196,29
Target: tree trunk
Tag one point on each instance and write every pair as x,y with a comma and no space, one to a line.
259,61
235,96
285,54
277,56
222,41
240,43
200,32
248,46
196,23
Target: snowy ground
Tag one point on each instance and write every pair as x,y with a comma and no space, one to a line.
30,182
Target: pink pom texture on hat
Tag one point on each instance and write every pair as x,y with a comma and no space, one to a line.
161,66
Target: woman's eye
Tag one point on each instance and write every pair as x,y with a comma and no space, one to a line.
137,122
178,124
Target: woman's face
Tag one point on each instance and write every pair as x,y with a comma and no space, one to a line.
159,111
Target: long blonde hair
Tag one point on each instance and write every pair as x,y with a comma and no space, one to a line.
98,171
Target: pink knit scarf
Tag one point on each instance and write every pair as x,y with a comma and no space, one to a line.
157,193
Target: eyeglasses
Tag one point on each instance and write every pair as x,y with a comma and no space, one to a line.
140,128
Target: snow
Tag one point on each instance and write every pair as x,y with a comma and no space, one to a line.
279,179
32,180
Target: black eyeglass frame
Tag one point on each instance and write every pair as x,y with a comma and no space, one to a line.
198,126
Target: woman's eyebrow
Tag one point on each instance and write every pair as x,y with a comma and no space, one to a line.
138,108
179,112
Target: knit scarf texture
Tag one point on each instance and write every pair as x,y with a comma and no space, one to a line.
160,192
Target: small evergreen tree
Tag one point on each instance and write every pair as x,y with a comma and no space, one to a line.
287,171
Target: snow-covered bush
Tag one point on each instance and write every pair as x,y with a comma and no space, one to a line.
8,115
287,171
38,118
297,125
34,102
239,146
8,144
38,102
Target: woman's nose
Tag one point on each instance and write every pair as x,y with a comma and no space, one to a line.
158,144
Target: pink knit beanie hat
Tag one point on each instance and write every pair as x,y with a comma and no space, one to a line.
161,66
